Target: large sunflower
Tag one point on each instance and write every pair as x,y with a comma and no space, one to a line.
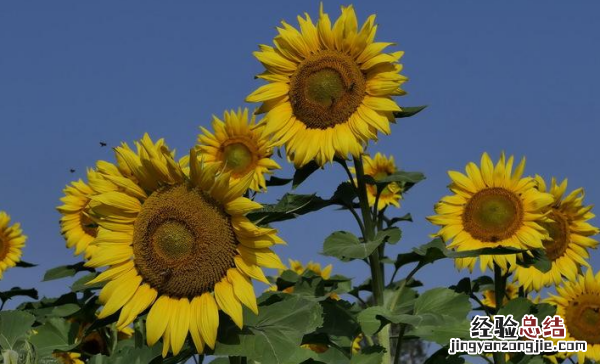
492,207
239,146
179,244
378,168
12,242
569,238
578,303
330,88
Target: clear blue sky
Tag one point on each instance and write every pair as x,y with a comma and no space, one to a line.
520,77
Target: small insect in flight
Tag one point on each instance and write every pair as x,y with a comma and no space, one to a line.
102,144
72,170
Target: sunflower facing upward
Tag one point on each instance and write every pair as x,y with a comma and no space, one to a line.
569,238
239,146
578,303
378,168
179,244
492,207
330,87
12,242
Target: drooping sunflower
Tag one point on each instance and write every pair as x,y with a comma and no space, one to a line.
239,146
492,206
570,237
329,87
489,296
68,358
12,242
179,244
378,168
578,303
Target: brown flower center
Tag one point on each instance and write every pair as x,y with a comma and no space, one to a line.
183,241
582,318
493,214
559,236
326,89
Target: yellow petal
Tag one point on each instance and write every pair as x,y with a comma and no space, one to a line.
242,287
228,302
180,323
208,319
158,318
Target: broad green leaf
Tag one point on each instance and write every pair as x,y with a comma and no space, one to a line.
346,246
58,311
129,355
367,358
65,271
439,314
275,335
54,334
14,325
518,307
408,111
303,173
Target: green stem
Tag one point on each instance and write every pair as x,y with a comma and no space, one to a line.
499,292
377,283
398,352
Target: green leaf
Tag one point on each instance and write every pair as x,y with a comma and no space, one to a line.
129,355
346,246
345,194
518,307
65,271
539,260
390,235
58,311
18,292
409,111
81,283
368,356
54,334
339,322
303,173
24,264
275,335
442,357
14,325
439,315
276,181
289,207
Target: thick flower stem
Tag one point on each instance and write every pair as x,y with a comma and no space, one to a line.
499,291
377,283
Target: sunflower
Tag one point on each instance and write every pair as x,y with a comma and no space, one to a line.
238,146
378,168
492,206
489,296
179,244
12,242
68,358
578,303
329,88
569,238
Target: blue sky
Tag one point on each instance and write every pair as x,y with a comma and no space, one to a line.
518,77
